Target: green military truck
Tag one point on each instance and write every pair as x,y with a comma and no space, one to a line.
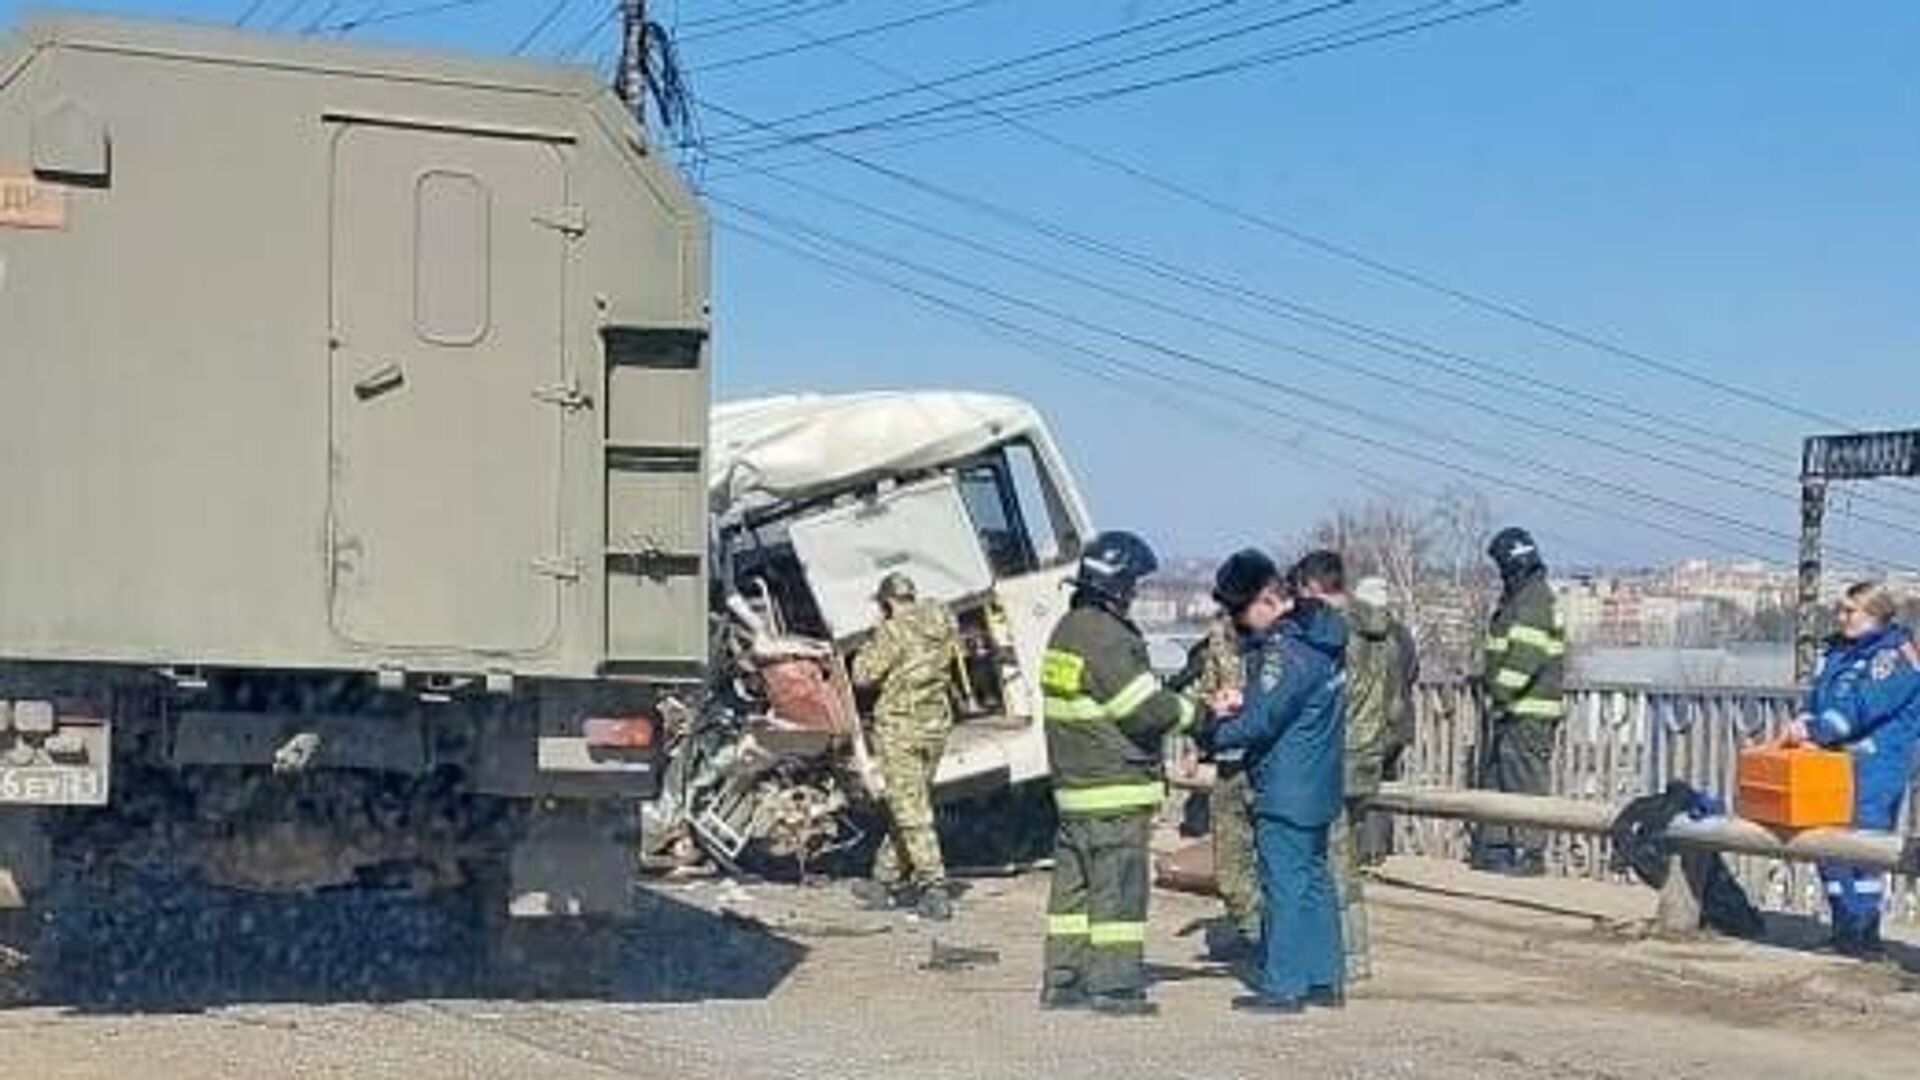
353,413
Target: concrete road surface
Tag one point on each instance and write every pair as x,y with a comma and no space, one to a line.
1477,978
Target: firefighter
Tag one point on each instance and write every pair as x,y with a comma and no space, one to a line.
911,660
1865,700
1526,653
1106,714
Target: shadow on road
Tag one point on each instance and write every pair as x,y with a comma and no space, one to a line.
1804,933
173,947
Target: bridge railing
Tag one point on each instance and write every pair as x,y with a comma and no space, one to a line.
1620,742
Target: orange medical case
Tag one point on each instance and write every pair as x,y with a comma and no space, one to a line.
1798,787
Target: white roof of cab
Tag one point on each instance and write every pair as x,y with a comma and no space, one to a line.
779,449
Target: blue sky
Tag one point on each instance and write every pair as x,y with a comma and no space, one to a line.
1729,187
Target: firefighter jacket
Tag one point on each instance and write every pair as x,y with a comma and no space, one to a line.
1526,654
1106,714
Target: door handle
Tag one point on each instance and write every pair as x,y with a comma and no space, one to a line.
380,380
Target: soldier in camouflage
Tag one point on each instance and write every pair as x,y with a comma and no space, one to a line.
910,660
1377,670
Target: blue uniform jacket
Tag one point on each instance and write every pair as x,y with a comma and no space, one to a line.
1865,699
1293,723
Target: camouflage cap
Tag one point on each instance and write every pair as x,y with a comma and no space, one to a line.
896,586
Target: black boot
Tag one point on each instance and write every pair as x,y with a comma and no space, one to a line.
1124,1003
877,896
1055,998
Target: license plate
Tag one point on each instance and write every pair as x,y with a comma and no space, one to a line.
53,785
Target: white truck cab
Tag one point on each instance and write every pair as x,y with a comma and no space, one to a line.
816,497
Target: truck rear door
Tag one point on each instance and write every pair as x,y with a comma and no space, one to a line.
448,391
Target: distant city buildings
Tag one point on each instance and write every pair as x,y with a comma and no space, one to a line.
1692,604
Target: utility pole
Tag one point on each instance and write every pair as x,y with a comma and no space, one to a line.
1870,455
632,83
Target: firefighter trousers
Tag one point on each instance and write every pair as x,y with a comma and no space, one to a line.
1516,756
1097,914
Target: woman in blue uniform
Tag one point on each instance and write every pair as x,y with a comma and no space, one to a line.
1865,700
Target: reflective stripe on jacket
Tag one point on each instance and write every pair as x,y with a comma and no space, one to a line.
1106,714
1526,655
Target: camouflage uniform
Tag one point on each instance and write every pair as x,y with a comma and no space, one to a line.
1375,666
911,660
1231,802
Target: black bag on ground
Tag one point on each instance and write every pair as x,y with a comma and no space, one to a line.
1638,846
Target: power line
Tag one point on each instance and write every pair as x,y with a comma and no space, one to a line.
847,35
787,12
1077,45
553,14
1148,372
1286,309
594,31
1481,302
315,24
1233,329
287,12
745,12
1218,367
1395,344
1325,43
252,9
374,17
1345,37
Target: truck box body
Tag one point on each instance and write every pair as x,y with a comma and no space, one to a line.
327,358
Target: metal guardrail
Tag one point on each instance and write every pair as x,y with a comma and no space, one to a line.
1619,743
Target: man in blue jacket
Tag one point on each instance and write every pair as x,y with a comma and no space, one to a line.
1291,727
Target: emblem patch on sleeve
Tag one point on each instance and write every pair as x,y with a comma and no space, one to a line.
1884,663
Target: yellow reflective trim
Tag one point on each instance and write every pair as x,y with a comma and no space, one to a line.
1539,708
1510,679
1108,797
1077,710
1061,672
1189,712
1118,933
1539,639
1133,695
1069,925
1496,644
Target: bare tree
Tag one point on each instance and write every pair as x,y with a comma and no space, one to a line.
1433,558
1461,521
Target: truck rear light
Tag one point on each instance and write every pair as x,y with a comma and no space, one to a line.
620,732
